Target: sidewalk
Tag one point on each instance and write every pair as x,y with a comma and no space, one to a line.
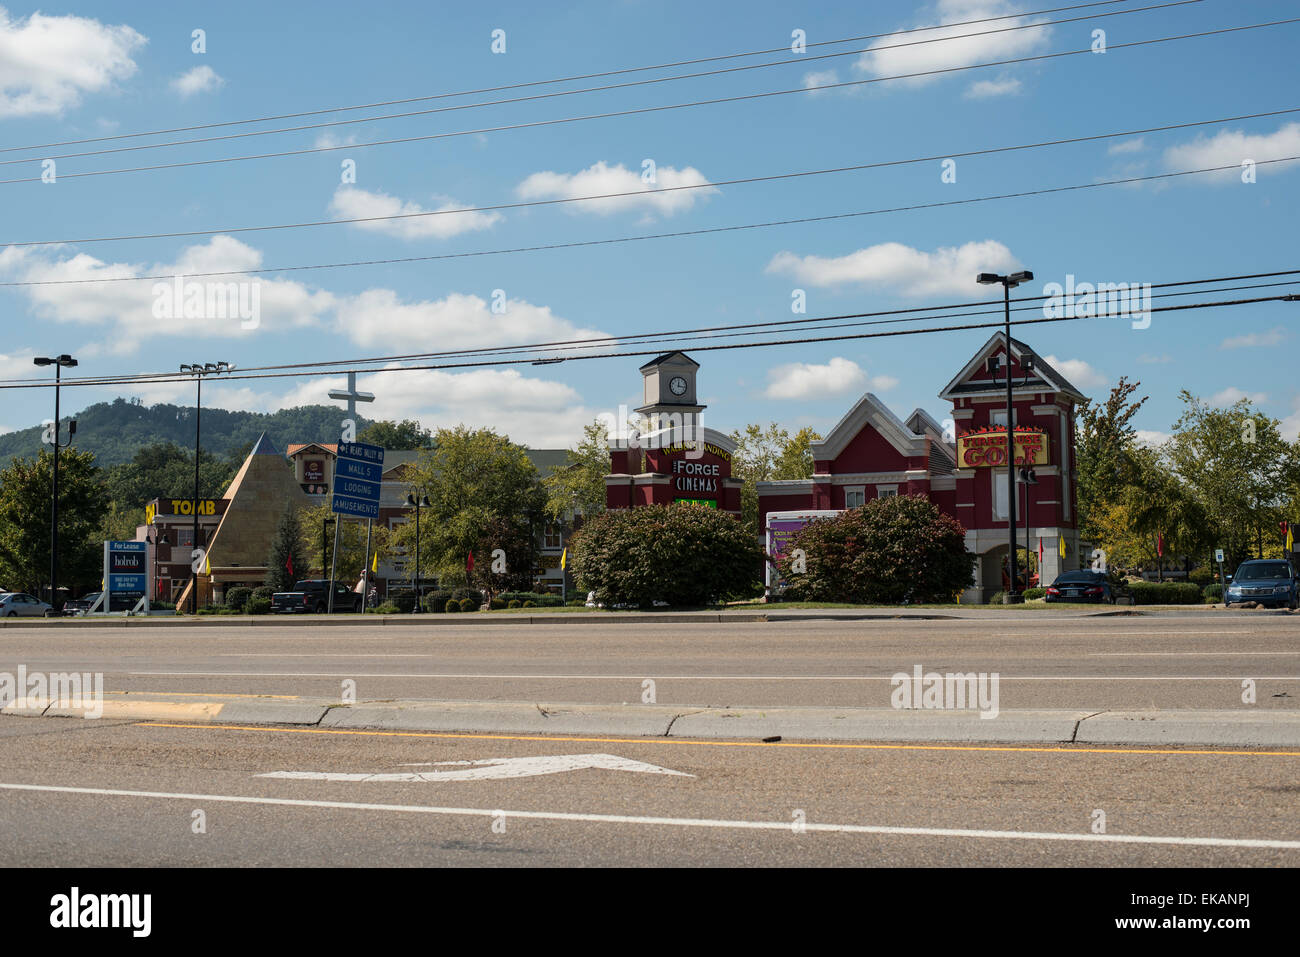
1239,728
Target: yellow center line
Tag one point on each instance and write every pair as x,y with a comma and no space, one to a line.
719,744
203,694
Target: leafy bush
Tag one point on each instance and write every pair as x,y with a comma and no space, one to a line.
577,603
515,603
683,554
263,591
1032,593
473,594
896,549
258,606
996,598
387,608
436,601
497,604
1213,593
530,604
452,606
1166,593
469,604
1203,575
238,597
405,602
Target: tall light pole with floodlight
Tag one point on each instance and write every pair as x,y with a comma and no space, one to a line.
1011,596
59,362
199,370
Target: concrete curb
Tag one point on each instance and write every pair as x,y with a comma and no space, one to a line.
883,725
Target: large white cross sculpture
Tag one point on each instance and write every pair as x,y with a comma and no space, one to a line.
351,396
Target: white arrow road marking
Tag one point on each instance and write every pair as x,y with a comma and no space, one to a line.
489,769
776,826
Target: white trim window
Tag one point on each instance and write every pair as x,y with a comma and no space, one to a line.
999,478
855,496
886,491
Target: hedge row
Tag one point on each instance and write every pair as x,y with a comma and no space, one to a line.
1166,593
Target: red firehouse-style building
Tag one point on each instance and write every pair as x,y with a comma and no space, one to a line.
959,465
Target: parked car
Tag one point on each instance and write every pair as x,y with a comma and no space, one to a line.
1088,586
16,604
82,605
1269,582
312,595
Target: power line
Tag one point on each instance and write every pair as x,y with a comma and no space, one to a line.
798,60
649,236
667,189
564,79
650,109
177,377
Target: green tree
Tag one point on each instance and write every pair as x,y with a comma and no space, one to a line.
504,558
472,478
579,485
352,555
287,551
165,470
680,554
25,520
396,436
1236,464
766,455
891,550
1105,441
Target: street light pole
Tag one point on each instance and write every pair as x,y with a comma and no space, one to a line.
198,371
1011,596
58,363
412,502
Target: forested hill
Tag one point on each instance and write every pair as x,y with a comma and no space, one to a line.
115,430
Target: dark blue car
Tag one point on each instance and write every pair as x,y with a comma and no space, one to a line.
1269,582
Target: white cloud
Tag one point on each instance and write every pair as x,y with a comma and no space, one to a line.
1231,395
602,179
1127,146
1152,438
47,63
820,78
1150,359
127,308
330,139
378,318
839,376
1290,425
352,203
983,89
1273,337
984,46
1078,372
1231,148
907,270
201,79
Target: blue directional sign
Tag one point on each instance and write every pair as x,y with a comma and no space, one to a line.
358,470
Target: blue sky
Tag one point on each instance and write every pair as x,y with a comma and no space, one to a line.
86,70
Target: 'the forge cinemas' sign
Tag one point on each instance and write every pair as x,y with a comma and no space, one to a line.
989,448
697,471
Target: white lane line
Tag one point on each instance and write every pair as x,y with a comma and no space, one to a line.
1186,654
1087,838
658,677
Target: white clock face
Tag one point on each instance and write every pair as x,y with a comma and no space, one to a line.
677,385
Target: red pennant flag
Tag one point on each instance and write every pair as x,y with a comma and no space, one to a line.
469,563
1160,545
288,564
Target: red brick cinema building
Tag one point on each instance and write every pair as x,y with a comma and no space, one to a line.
871,453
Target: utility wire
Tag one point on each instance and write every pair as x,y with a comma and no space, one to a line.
646,193
531,83
798,60
649,109
649,236
177,377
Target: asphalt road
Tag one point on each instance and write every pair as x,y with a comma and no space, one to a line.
80,793
1194,660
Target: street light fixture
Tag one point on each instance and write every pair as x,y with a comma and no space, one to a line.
198,371
1011,596
1028,477
59,363
423,502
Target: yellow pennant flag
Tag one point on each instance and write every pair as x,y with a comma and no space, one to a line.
1061,547
564,558
207,565
374,565
1290,539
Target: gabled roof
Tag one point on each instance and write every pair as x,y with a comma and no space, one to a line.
1045,378
922,423
869,409
660,360
298,448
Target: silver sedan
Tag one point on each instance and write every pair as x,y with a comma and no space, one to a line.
16,604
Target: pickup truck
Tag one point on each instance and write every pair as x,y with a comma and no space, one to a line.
312,595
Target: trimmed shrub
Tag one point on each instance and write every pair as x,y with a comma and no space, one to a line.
405,602
259,606
387,608
436,601
497,604
1213,593
469,604
683,554
515,603
1032,593
1166,593
263,591
1203,575
891,550
530,604
577,603
476,596
237,598
996,598
452,606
